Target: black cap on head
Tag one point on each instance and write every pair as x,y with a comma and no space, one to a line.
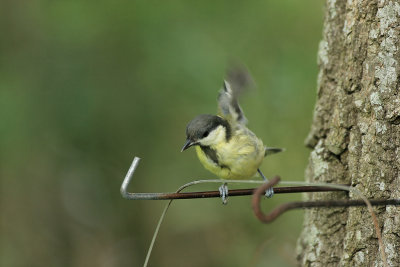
201,126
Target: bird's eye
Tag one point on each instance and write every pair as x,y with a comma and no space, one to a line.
205,134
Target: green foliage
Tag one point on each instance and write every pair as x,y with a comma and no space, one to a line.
86,86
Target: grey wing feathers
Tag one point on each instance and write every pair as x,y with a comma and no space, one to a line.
228,104
237,81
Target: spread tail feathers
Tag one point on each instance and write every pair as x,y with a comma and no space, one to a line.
272,150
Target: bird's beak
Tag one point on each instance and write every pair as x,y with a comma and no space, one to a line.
187,144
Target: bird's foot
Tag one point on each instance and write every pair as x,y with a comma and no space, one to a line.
270,191
223,192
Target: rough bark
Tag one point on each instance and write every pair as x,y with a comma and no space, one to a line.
355,135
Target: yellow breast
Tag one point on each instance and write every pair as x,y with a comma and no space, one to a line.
237,159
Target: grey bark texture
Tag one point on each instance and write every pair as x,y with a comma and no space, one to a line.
355,134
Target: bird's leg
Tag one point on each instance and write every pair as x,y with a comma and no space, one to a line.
223,192
270,191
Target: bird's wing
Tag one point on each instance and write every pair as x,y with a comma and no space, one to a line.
237,81
228,105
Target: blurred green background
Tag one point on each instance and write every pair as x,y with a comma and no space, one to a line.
87,85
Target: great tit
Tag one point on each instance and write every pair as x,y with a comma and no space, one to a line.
224,145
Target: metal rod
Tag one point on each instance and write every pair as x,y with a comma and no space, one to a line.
206,194
241,192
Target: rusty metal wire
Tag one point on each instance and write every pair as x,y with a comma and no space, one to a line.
276,212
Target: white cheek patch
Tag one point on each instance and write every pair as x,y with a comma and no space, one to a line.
216,136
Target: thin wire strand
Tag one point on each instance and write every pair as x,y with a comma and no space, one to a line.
156,231
155,234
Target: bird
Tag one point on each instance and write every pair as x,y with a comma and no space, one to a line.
223,143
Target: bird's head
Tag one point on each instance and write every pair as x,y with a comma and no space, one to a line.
206,130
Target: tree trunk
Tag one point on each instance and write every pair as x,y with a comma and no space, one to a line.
355,135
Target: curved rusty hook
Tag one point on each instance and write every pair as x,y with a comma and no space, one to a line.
255,202
275,213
